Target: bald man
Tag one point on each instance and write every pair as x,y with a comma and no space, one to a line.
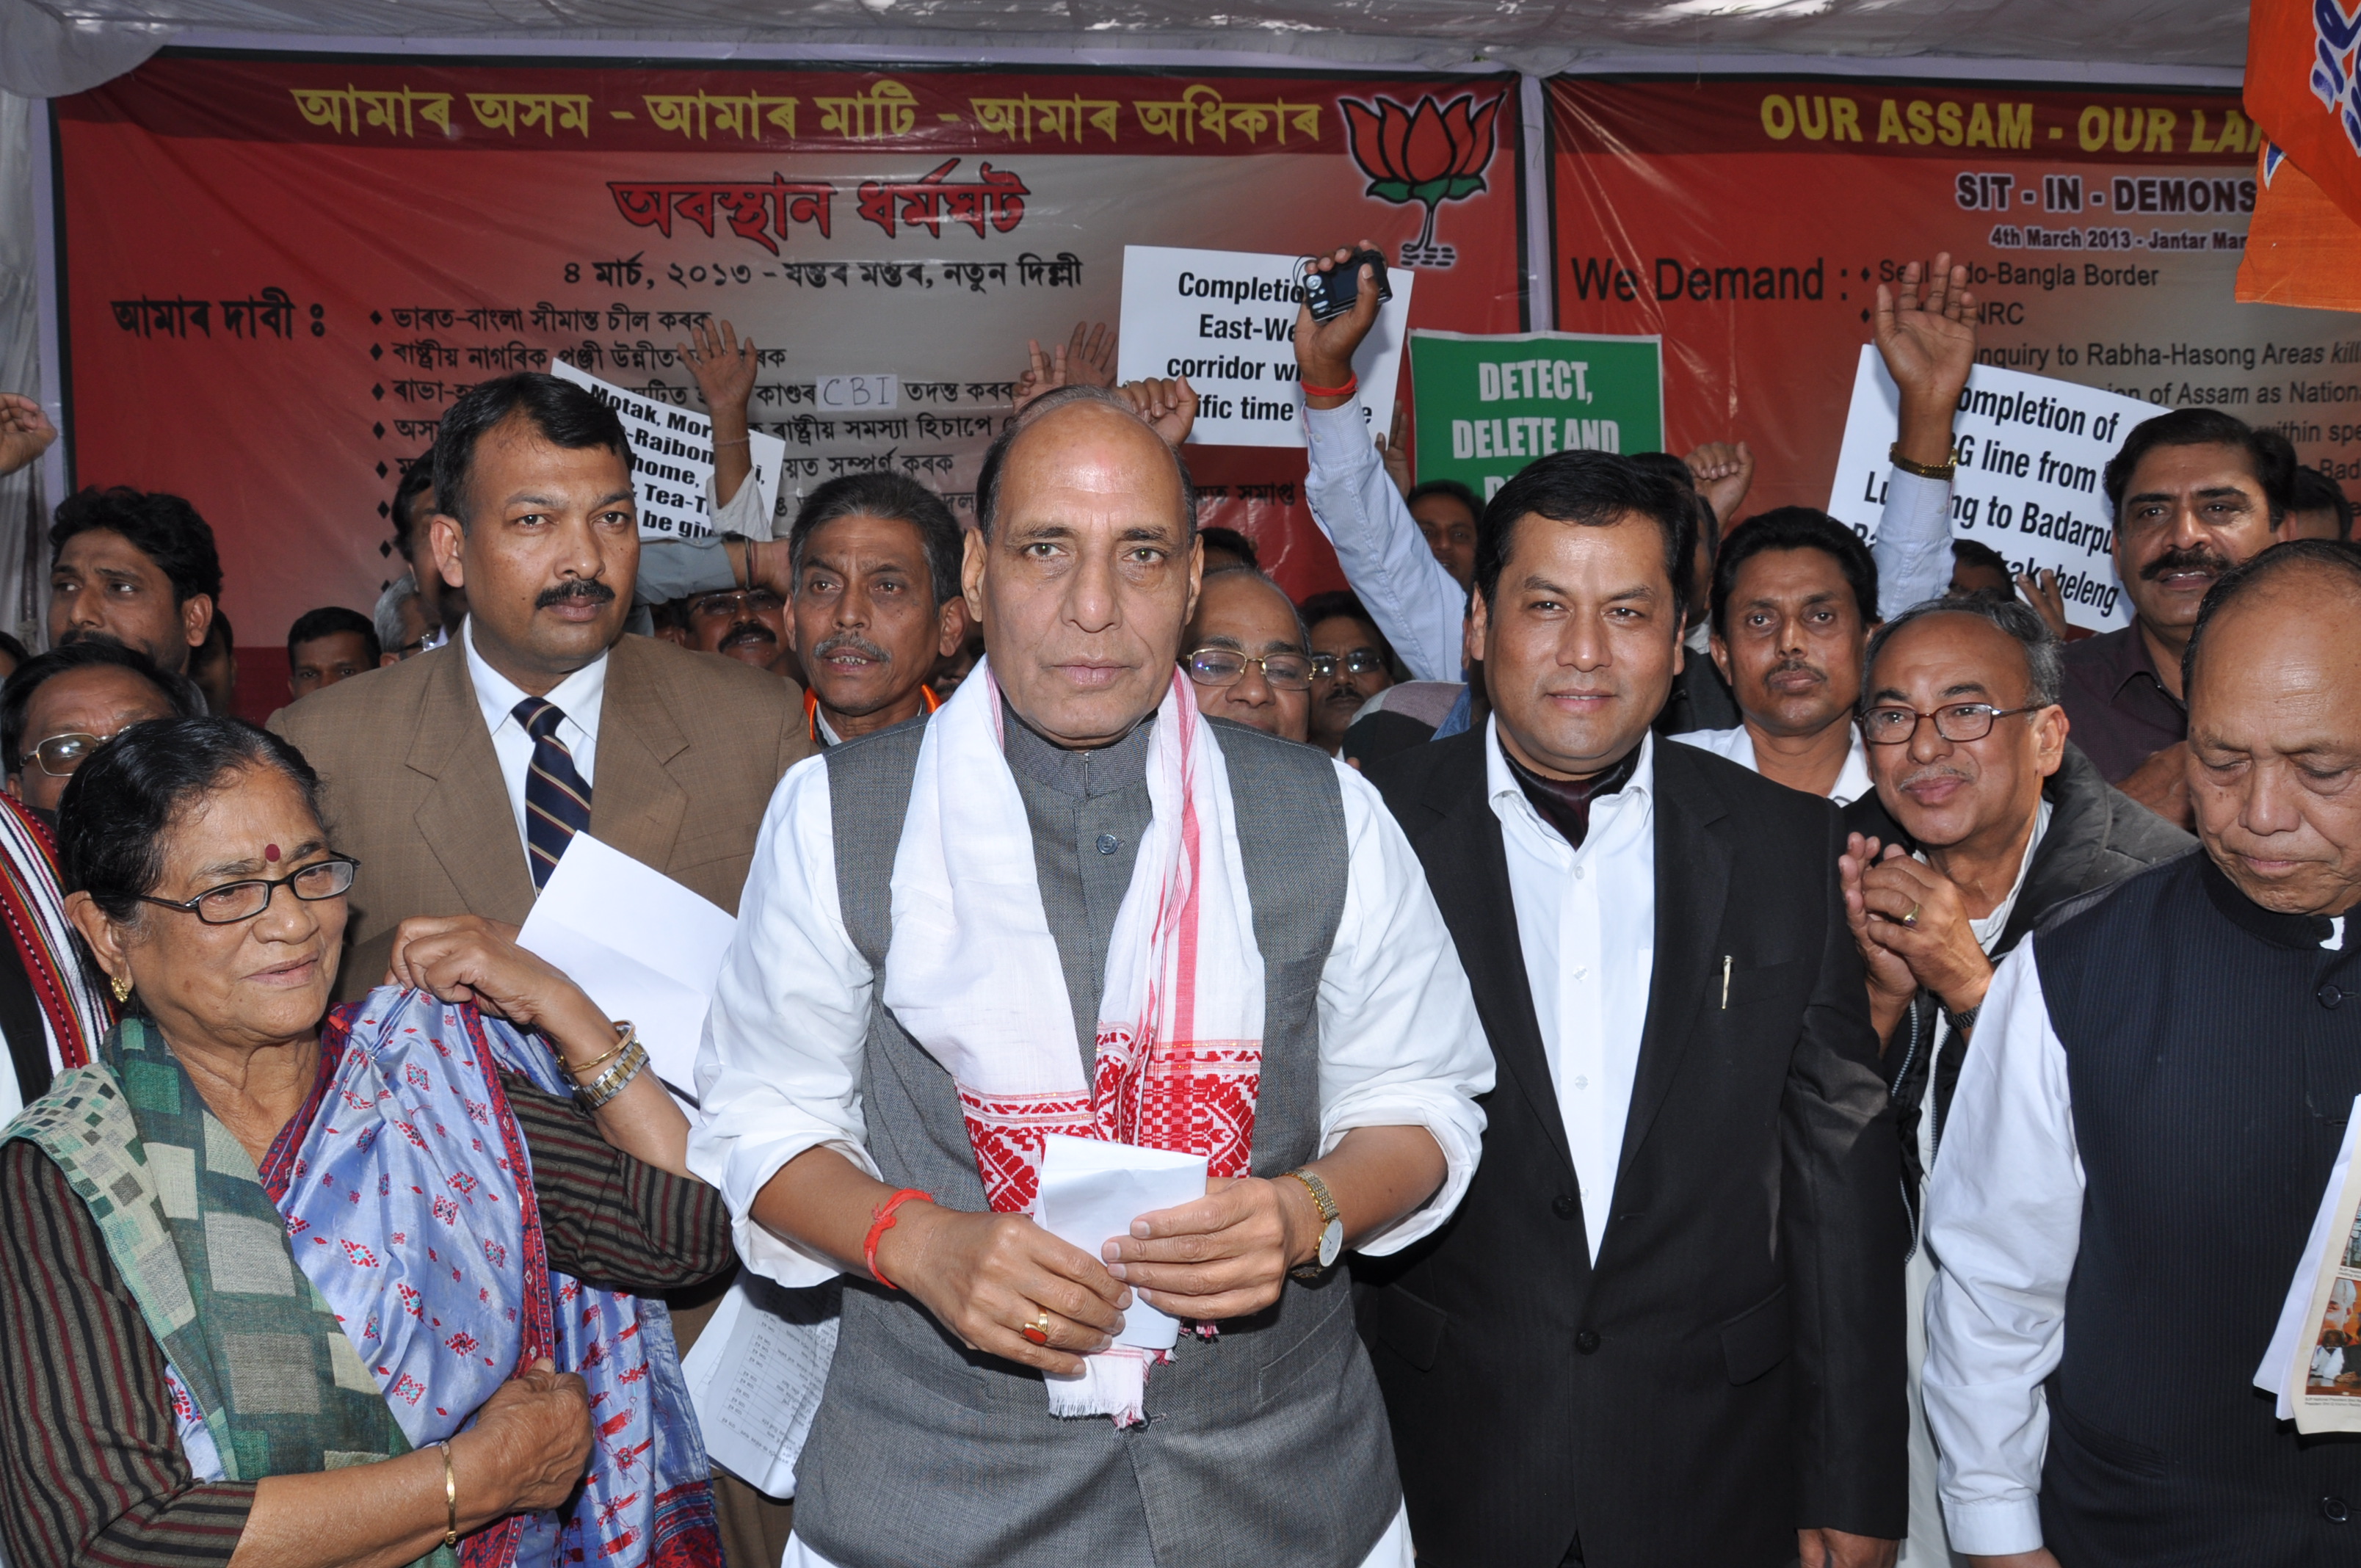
1113,920
1248,656
2144,1129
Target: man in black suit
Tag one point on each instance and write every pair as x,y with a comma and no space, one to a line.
1666,1324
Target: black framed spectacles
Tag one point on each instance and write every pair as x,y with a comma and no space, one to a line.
1224,666
1359,662
236,901
1957,722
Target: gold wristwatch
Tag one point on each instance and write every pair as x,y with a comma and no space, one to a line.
1331,1226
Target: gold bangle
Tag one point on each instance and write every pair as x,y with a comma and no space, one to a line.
450,1497
1943,471
631,1032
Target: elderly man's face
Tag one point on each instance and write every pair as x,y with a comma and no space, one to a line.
104,588
1243,613
98,702
1791,642
259,982
2189,513
548,553
2274,742
1947,793
1089,576
866,624
1581,640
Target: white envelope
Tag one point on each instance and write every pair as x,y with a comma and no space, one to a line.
1093,1189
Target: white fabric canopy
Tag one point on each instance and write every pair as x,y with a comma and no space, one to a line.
42,54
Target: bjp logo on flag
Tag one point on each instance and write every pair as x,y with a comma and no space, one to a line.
1426,152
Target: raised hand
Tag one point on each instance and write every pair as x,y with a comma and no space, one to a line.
724,367
1890,983
1323,350
1170,407
1929,346
1724,473
1394,453
25,431
1087,360
2041,591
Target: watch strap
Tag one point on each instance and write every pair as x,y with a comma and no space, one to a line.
1326,1203
1944,471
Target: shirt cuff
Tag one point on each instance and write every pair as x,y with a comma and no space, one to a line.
1457,1128
1339,444
743,514
1995,1529
739,1167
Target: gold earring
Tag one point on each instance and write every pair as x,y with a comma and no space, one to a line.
122,989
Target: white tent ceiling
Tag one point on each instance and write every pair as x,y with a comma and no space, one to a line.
58,45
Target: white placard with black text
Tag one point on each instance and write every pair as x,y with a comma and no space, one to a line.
672,460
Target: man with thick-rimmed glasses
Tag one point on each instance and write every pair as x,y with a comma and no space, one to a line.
1984,819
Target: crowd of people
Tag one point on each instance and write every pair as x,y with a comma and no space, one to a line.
1711,1041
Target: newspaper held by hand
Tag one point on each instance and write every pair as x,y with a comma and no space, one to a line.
2313,1364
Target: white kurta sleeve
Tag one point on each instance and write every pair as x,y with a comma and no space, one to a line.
2004,1222
779,1071
1400,1042
1417,604
1913,547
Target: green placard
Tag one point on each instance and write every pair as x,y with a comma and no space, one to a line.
1488,405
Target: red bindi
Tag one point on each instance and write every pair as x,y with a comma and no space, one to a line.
270,852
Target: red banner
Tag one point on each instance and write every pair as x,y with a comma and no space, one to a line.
1750,221
276,274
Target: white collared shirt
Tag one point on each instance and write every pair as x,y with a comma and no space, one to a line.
579,696
781,1066
1738,745
1586,918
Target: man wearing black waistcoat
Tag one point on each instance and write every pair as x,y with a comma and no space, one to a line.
1714,1374
2143,1130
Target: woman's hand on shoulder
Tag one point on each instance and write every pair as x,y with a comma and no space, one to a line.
530,1444
465,958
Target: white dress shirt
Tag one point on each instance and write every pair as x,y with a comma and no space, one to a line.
1586,918
2004,1222
1420,606
780,1069
1737,744
579,696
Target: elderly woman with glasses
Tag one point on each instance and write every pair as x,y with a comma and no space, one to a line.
358,1289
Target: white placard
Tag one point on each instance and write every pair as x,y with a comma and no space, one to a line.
755,1376
2031,451
1225,319
858,394
641,945
1091,1192
672,460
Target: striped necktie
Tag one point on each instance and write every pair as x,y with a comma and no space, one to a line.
556,799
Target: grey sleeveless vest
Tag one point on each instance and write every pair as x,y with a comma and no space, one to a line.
1266,1444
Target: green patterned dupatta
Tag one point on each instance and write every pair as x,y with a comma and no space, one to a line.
264,1380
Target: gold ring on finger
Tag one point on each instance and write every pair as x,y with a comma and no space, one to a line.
1037,1331
1911,919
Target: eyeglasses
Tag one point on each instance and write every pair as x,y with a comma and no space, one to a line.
714,606
1223,666
59,755
1958,722
236,901
1359,662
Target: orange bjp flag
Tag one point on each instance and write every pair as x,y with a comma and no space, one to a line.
2303,88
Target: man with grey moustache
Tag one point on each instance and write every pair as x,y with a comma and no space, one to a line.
876,606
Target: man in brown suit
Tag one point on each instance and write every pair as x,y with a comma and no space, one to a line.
457,777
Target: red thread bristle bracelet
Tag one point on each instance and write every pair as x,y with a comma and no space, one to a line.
1351,386
882,1218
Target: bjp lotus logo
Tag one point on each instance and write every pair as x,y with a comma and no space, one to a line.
1431,153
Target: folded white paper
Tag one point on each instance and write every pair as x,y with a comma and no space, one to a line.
755,1376
641,945
1091,1191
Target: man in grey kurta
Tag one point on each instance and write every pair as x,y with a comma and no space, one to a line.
1263,1442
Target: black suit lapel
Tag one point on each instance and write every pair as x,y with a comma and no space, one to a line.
1468,869
1691,881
